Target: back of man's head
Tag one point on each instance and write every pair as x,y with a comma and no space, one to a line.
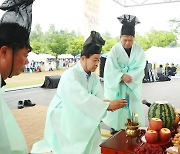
15,23
12,34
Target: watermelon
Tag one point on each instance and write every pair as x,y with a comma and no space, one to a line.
164,111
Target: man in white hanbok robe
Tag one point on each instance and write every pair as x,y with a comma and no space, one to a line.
74,115
123,75
14,48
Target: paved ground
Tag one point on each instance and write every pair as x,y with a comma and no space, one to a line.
37,95
155,91
162,91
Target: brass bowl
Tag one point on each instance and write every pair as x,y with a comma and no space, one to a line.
132,130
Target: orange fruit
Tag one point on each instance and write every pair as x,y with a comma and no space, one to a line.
176,121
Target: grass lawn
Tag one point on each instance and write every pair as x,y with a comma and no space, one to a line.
30,79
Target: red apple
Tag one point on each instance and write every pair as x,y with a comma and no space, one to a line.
155,123
151,136
164,134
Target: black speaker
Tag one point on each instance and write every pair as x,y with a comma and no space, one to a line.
51,81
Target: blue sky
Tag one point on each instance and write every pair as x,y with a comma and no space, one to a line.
69,14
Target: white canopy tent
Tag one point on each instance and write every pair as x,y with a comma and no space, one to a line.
33,57
64,56
44,57
163,55
39,57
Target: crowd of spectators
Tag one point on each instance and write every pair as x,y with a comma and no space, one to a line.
170,70
160,73
49,65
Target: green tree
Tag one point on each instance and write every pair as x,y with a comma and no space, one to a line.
155,38
58,44
106,36
75,45
37,39
56,41
36,46
108,45
175,24
143,41
36,33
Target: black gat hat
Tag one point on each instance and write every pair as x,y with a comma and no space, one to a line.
93,44
15,24
128,24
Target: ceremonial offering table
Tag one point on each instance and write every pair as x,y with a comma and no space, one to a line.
117,144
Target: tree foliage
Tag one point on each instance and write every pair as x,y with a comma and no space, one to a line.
155,38
108,45
61,41
106,36
75,45
175,23
37,41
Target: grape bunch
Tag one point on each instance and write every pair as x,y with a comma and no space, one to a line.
148,149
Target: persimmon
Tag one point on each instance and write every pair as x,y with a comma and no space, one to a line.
176,121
